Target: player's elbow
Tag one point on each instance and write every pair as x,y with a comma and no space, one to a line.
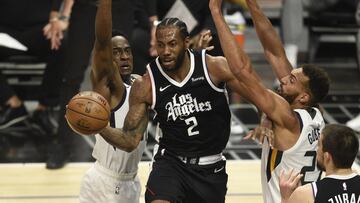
132,145
242,72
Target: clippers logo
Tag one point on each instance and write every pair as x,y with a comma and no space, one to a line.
184,105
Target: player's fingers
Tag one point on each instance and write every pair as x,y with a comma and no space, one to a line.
256,132
290,174
61,35
294,178
210,38
270,137
261,138
297,178
249,135
205,33
282,176
264,133
210,48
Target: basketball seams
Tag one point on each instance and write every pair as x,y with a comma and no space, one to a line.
92,99
84,114
87,115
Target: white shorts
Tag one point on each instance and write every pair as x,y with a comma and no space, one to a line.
100,185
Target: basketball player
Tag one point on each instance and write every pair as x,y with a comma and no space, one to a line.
296,120
338,147
113,177
186,89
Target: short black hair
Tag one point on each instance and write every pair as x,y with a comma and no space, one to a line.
319,82
174,22
342,143
116,32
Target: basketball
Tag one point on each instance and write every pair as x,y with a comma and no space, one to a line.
87,113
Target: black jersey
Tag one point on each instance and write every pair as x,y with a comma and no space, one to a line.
337,189
193,114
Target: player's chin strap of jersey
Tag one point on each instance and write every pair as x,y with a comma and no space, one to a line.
204,160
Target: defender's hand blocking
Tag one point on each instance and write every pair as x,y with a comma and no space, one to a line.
87,113
204,41
262,131
288,183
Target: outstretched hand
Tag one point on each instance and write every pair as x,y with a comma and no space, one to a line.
288,183
54,31
202,41
260,132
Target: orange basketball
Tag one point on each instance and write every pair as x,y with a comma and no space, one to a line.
87,113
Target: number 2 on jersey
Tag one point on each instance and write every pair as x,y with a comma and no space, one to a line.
311,168
193,123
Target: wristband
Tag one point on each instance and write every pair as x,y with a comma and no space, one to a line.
64,18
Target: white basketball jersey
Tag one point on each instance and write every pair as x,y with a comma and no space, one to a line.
115,159
301,157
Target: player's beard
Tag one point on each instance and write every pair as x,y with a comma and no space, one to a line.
289,98
179,61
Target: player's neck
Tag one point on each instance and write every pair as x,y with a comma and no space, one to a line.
339,171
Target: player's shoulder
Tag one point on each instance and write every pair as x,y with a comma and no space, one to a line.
133,77
303,194
215,60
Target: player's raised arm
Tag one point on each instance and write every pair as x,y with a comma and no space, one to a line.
270,40
239,62
103,71
136,120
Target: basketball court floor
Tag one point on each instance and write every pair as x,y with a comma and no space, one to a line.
23,177
32,183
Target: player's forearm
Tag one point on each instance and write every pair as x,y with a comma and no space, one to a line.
61,10
129,137
270,40
102,53
120,139
237,59
103,24
67,8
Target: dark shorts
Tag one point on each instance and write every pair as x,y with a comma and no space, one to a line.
179,182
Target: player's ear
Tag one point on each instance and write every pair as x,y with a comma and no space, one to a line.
187,42
327,157
304,98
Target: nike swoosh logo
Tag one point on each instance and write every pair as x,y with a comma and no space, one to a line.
218,170
164,88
